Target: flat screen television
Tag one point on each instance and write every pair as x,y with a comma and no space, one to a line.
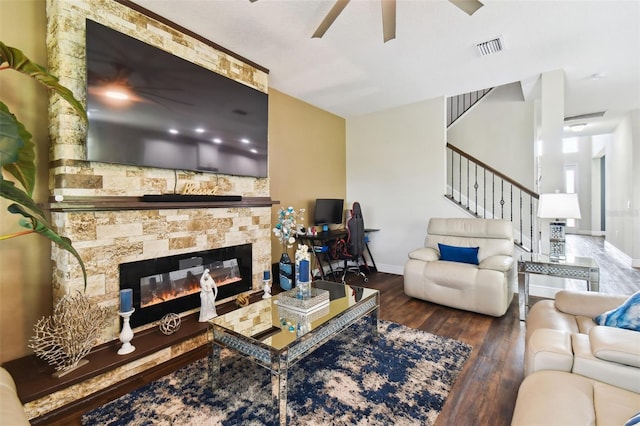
150,108
328,211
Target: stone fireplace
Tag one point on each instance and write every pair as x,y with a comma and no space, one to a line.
102,211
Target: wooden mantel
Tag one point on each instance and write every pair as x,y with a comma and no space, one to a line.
76,204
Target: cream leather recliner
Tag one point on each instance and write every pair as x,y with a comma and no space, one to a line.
486,288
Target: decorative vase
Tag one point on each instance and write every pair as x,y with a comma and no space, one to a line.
286,272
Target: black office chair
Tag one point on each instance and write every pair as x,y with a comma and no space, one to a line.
353,248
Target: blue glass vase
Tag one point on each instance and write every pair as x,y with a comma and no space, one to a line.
286,272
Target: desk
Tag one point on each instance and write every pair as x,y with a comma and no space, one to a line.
574,267
324,239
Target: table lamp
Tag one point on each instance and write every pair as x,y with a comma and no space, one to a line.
558,207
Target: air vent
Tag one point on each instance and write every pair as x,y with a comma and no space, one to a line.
586,116
490,47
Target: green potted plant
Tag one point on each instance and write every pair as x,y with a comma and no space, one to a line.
17,154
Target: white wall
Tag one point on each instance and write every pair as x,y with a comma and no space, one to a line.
396,170
499,127
623,188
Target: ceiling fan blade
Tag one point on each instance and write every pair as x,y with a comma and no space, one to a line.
468,6
388,19
331,16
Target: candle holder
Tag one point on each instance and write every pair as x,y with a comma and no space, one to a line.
126,334
266,286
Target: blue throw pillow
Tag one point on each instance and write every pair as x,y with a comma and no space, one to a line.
633,421
459,254
626,315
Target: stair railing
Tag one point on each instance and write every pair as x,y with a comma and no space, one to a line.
459,104
485,192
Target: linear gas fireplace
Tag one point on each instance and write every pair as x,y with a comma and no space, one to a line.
172,284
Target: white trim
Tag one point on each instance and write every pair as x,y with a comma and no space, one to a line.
390,269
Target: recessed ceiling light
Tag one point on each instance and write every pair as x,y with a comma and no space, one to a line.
173,131
578,127
255,151
199,130
216,140
115,94
245,140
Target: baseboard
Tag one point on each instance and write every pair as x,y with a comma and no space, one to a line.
390,269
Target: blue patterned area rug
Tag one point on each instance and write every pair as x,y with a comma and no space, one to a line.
403,378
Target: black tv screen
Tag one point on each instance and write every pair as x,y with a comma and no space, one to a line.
150,108
328,211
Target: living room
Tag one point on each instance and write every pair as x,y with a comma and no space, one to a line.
304,141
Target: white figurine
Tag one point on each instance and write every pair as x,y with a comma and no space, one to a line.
267,289
208,294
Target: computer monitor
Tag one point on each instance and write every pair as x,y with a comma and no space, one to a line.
328,211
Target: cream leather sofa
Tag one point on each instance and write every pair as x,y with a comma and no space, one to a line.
11,410
486,288
578,373
561,335
558,398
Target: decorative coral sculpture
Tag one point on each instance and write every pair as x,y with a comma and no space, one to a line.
64,338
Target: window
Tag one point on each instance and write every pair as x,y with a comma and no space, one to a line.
569,145
570,186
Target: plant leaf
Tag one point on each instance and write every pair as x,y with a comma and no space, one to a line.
9,191
17,150
43,227
19,62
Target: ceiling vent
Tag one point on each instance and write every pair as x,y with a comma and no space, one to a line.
490,47
586,116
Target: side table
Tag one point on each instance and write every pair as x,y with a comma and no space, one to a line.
574,267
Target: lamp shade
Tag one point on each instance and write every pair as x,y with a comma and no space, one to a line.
558,206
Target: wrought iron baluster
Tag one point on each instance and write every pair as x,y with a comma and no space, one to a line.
502,198
475,186
459,179
521,235
493,195
484,194
511,201
467,184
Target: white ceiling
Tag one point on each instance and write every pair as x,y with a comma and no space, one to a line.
350,71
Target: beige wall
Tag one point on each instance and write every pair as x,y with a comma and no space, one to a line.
307,157
25,268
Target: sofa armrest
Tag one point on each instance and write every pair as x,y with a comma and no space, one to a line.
498,262
616,345
586,303
548,349
426,254
11,409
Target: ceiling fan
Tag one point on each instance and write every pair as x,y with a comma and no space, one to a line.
388,15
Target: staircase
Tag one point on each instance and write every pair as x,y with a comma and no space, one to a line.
484,192
458,105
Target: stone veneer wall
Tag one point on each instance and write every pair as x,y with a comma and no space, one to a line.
105,239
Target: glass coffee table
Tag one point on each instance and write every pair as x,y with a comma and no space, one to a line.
278,332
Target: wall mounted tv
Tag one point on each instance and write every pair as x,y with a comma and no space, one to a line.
150,108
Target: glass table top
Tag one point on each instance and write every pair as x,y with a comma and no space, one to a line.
276,323
575,261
